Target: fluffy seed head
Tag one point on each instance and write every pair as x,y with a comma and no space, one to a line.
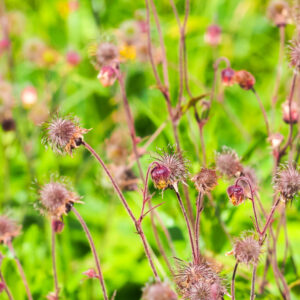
63,135
287,182
56,199
8,229
205,180
228,163
279,12
295,54
158,291
245,79
247,250
236,194
227,75
198,279
106,54
170,169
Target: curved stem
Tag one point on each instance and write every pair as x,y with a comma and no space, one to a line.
233,281
7,290
199,205
54,262
20,268
125,204
252,295
188,225
93,248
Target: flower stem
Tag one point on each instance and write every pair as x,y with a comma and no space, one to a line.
188,225
233,281
54,262
93,248
125,204
252,295
7,290
20,268
199,205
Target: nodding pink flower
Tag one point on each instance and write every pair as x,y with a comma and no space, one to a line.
170,169
212,35
205,180
247,250
236,194
4,45
228,163
287,182
73,58
227,75
73,5
57,225
107,76
2,286
199,279
245,79
290,117
29,96
8,229
63,134
295,54
158,291
275,140
91,273
279,12
56,200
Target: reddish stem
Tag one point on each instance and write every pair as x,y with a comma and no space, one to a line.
199,205
7,290
233,281
20,268
54,262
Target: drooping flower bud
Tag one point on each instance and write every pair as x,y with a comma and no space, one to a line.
107,76
236,194
161,176
290,117
57,225
29,96
73,58
212,35
295,54
245,79
227,75
275,140
279,12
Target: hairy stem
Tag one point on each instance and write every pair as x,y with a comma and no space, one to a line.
20,268
54,262
252,295
7,290
93,248
199,205
233,281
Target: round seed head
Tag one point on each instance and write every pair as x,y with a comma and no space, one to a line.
205,180
106,54
8,229
245,79
247,250
228,163
158,291
279,12
287,182
56,199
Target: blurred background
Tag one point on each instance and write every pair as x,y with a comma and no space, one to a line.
64,80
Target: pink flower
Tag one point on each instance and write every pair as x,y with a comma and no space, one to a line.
29,96
107,76
91,273
73,58
212,36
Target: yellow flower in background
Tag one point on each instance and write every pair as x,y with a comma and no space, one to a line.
128,52
50,57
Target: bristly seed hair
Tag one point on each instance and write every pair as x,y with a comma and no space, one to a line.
158,291
63,134
287,182
8,229
205,180
295,54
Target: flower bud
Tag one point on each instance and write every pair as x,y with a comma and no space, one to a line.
275,140
279,12
73,58
228,76
107,76
57,225
161,176
2,286
236,194
293,117
245,79
91,273
29,96
212,36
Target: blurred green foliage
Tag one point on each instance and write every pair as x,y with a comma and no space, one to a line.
249,41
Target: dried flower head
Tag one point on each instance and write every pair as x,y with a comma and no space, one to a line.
104,54
236,194
205,180
33,50
287,182
64,134
170,169
56,199
227,75
8,229
279,12
245,79
212,35
247,250
295,54
195,279
158,291
228,163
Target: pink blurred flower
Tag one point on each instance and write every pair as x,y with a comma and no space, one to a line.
212,35
73,58
29,96
107,76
